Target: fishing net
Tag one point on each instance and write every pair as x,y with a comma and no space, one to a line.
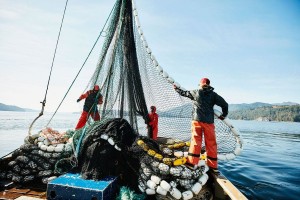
131,81
35,161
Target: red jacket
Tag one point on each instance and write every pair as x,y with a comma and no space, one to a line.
90,98
153,117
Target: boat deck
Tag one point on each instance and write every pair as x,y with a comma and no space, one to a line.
8,190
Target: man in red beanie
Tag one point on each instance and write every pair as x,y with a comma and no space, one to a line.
204,100
92,98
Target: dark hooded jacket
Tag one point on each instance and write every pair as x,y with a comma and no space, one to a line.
92,98
204,100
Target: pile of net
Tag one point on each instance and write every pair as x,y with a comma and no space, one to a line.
111,147
37,158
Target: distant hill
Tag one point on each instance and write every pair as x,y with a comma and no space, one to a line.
245,106
285,104
4,107
269,113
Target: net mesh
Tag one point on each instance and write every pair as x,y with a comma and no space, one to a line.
131,80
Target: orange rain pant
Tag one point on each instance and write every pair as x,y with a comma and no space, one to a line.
210,144
84,117
154,132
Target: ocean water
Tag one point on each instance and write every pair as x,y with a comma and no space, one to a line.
268,168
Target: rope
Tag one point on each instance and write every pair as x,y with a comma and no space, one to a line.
81,66
44,101
79,142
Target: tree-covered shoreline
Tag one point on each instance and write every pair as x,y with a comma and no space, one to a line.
268,113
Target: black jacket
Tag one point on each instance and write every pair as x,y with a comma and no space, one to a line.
92,98
204,100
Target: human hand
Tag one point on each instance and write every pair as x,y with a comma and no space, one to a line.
174,86
78,100
221,117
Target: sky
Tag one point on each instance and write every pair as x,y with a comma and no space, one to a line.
250,49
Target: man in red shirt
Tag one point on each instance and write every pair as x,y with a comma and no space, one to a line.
92,98
153,123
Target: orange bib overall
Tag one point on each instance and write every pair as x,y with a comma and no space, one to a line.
210,144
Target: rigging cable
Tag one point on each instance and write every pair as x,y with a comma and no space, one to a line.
44,101
82,66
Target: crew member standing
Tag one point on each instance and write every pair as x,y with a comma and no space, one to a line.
204,100
92,99
153,123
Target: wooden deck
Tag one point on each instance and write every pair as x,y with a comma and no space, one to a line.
224,189
10,191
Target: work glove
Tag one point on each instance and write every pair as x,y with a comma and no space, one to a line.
78,100
221,117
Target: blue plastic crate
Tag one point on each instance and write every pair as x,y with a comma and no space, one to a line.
73,186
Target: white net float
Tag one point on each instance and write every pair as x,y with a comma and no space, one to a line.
111,141
165,74
170,80
196,188
161,191
117,147
230,156
178,153
203,179
187,195
155,179
237,150
159,68
221,157
43,147
165,185
58,148
104,136
150,191
148,50
175,193
151,184
50,148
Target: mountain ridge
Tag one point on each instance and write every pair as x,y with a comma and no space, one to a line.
5,107
232,107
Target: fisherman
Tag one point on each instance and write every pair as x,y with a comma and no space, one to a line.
92,98
153,123
204,100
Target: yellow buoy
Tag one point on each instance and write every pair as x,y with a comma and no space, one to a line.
151,152
179,161
140,142
168,161
158,156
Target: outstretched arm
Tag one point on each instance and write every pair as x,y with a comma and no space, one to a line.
83,96
183,92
